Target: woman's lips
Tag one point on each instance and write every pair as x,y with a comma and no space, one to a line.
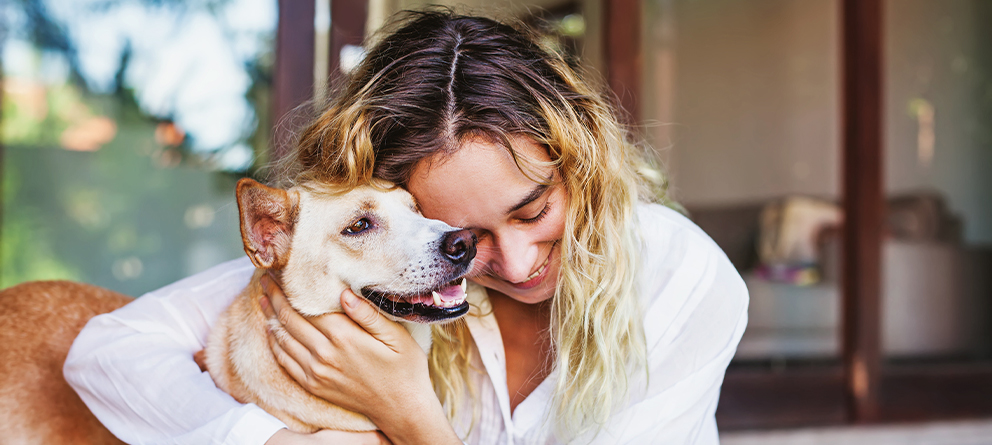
540,270
538,276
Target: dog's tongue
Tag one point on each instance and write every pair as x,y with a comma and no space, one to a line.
451,295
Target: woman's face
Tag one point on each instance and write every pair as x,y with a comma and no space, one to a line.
519,222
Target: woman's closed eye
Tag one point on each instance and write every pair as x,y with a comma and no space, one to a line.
540,215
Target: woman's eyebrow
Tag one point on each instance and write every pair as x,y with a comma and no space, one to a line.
534,194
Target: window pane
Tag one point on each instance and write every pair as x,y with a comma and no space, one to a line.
124,126
744,97
937,256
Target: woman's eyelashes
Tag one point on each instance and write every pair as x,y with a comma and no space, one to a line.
539,216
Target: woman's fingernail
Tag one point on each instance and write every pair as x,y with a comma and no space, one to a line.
349,299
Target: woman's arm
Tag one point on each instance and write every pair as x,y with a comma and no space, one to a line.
134,367
364,362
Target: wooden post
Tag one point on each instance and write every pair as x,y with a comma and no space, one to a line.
3,41
293,77
2,153
863,205
623,52
348,19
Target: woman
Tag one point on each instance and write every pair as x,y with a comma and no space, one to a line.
598,317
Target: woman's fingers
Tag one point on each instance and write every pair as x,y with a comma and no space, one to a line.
368,318
343,358
289,363
298,327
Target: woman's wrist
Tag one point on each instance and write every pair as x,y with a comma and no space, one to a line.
422,423
327,437
283,437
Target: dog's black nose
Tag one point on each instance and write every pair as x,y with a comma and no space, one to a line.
459,246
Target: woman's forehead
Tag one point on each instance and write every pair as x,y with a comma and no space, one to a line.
480,176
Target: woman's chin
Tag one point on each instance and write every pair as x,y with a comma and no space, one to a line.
531,295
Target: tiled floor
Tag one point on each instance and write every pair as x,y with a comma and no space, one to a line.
975,432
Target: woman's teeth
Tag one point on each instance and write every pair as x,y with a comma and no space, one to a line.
540,270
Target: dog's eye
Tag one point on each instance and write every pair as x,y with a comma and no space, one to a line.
358,227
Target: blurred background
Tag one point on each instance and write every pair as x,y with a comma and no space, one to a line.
124,127
839,151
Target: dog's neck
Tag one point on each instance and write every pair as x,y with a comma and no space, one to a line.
420,332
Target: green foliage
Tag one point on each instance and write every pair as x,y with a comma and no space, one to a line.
36,114
26,252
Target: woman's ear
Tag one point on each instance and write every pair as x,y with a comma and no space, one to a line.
267,219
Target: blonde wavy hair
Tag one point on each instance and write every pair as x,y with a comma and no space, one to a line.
436,78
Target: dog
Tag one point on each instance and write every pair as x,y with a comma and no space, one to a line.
316,242
38,322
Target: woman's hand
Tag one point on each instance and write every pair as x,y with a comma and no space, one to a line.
363,362
325,437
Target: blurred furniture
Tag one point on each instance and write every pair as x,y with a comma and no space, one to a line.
935,291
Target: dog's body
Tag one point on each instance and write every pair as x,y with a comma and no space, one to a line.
38,322
317,243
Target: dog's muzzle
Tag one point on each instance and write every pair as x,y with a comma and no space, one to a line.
446,303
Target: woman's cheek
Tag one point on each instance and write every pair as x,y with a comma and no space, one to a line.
484,252
556,220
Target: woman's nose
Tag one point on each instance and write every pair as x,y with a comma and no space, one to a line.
511,258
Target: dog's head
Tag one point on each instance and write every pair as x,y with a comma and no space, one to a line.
371,241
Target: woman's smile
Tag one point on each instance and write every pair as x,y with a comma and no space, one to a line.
544,267
540,274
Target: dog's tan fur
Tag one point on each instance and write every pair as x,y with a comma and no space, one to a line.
297,235
38,322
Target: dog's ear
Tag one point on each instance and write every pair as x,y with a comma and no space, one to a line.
267,218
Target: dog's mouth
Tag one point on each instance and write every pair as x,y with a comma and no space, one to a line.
445,303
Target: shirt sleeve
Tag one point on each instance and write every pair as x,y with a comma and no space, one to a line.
696,313
134,367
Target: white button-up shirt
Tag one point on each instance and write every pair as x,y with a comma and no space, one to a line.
133,367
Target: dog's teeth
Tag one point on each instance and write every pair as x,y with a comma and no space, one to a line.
437,299
464,286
